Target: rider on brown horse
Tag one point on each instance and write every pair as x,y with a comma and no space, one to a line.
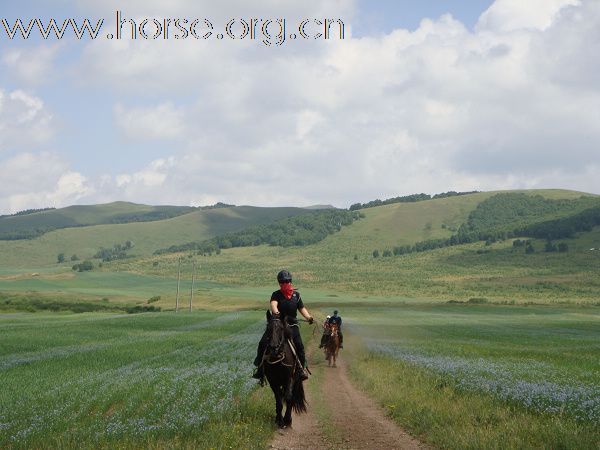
327,327
326,332
285,303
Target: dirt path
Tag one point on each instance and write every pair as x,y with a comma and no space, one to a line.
353,420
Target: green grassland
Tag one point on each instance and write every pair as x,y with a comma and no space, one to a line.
146,236
143,381
39,222
482,376
498,272
461,376
342,263
479,372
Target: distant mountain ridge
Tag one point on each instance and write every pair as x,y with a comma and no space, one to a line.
37,223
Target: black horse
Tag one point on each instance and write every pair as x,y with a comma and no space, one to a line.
282,370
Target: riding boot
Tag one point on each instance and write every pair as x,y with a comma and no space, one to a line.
323,340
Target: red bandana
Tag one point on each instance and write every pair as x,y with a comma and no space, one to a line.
286,289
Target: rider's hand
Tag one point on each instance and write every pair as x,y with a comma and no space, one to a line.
310,320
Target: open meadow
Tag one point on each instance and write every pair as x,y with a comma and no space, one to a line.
131,381
483,376
478,345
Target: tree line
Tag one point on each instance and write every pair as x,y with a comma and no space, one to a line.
407,199
300,230
506,216
26,212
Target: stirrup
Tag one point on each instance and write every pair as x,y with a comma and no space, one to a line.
304,374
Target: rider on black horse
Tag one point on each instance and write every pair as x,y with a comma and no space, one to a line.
285,303
338,321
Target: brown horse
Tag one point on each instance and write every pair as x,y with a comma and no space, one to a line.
282,370
333,345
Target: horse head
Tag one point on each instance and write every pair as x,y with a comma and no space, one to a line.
333,329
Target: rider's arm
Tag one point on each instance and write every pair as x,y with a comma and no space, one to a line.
306,314
274,308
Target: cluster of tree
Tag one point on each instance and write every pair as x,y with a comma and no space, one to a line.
85,266
151,216
552,247
60,258
216,206
118,251
407,199
26,212
300,230
517,243
505,216
32,304
31,233
565,227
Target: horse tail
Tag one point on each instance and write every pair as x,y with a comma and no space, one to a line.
298,402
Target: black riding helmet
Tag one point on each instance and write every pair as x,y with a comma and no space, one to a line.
284,275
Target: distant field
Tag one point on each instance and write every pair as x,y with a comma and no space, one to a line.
498,272
342,263
146,236
119,381
473,376
485,346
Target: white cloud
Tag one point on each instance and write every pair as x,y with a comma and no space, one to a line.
32,66
511,15
39,180
24,119
513,104
429,110
164,121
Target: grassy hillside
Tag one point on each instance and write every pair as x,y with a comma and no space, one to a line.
344,261
38,223
146,236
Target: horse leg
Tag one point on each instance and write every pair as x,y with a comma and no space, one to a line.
287,419
278,407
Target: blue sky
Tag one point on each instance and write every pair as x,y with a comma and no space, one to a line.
498,95
384,16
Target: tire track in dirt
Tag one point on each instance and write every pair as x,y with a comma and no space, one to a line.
357,421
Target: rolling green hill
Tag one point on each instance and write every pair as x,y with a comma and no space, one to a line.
344,261
36,224
84,241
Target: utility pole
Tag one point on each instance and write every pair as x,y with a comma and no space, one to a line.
193,279
178,278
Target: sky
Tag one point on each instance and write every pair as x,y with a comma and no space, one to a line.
418,96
